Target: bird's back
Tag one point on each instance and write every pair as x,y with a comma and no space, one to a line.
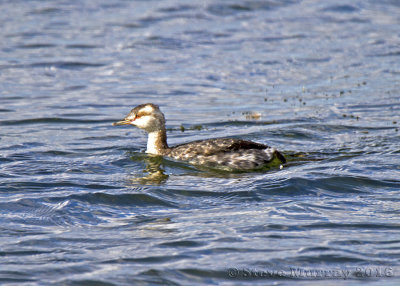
227,153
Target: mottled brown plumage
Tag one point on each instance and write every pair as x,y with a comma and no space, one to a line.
223,153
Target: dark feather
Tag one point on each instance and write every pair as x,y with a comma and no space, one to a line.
215,146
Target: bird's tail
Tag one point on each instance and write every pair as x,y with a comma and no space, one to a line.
280,157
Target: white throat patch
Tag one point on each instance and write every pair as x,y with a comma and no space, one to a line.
151,143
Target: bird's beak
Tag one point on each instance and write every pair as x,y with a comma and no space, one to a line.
122,122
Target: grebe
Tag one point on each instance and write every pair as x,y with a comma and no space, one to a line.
221,153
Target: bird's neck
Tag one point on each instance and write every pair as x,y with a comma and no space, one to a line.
157,142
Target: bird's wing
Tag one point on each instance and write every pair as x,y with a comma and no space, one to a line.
214,146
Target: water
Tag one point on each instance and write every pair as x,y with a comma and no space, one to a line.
81,204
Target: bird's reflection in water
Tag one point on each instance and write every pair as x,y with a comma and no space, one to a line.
153,171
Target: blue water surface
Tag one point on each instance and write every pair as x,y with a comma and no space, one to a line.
82,204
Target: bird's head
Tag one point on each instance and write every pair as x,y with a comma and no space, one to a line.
145,116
